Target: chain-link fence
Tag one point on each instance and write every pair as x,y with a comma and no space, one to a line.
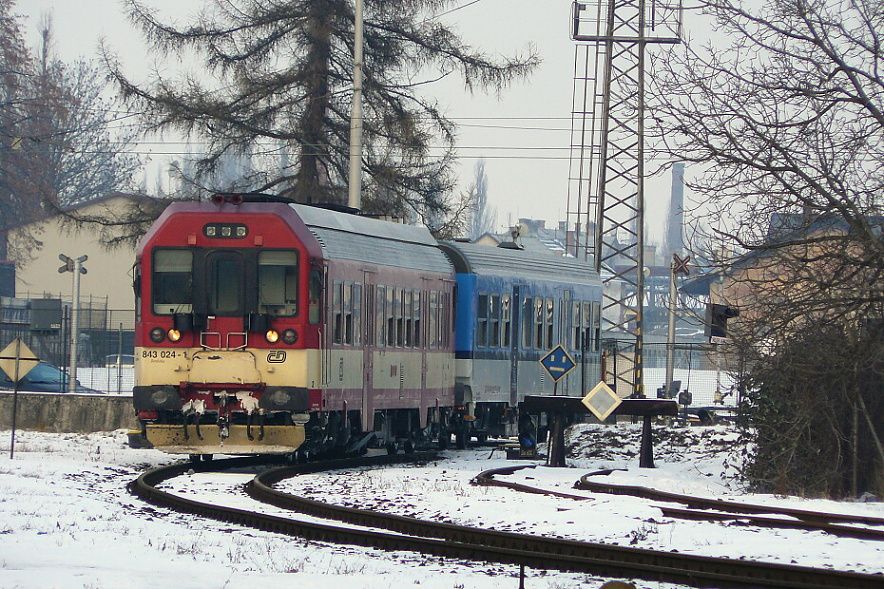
106,341
701,369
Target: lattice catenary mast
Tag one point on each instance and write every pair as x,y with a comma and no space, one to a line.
606,179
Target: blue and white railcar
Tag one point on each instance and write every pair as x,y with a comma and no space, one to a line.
514,306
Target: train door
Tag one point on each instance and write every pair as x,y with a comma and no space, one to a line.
515,331
224,276
369,339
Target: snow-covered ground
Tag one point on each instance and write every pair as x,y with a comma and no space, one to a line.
67,520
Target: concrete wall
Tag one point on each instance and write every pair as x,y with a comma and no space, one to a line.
50,412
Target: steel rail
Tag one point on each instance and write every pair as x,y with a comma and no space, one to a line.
565,555
717,504
719,513
569,556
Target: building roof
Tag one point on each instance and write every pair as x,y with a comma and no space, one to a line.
783,229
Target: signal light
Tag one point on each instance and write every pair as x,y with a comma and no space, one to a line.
174,335
290,336
716,321
272,336
157,335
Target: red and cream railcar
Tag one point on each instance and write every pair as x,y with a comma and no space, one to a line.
268,327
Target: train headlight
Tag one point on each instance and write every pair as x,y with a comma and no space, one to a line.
272,336
157,335
174,335
289,336
160,397
280,397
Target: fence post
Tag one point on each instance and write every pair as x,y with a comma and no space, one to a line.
120,358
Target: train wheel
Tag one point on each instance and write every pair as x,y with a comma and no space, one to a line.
460,439
444,439
409,446
391,448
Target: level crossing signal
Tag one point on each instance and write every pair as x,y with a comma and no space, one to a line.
69,264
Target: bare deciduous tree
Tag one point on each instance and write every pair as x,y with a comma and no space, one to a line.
785,122
58,148
483,217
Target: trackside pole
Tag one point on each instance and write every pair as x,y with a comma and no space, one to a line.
646,453
15,396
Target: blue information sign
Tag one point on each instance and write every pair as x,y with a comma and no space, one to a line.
558,363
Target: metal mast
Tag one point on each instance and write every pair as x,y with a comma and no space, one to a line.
606,185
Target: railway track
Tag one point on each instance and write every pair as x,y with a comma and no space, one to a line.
806,516
461,542
704,509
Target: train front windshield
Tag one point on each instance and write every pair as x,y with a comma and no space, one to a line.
222,291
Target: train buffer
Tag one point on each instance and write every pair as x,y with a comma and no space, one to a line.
558,408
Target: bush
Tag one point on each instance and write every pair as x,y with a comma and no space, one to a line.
810,401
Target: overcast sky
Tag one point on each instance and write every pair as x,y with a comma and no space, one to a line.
533,116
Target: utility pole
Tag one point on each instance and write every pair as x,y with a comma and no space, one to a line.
355,190
75,266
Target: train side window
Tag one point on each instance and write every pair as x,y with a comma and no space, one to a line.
433,319
315,311
446,319
391,316
482,321
278,283
506,318
597,326
407,318
418,337
172,281
380,316
494,320
337,310
136,286
538,324
348,313
528,323
356,314
550,324
400,317
575,323
587,326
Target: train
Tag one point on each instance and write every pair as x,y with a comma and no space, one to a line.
265,326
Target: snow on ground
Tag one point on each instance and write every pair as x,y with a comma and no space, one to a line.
67,520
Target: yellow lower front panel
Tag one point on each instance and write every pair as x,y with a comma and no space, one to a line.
278,439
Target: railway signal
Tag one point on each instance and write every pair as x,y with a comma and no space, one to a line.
558,363
716,322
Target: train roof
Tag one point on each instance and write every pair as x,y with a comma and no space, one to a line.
473,258
344,236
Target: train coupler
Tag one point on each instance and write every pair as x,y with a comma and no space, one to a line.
223,428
